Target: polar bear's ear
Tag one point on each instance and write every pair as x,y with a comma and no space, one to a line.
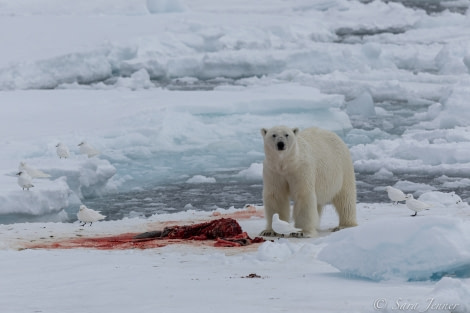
264,131
295,131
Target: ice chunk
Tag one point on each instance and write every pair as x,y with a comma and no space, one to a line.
443,199
453,292
450,60
454,113
200,179
276,251
93,175
85,177
363,105
83,68
361,136
138,80
383,173
47,201
452,183
372,50
51,199
254,172
411,187
402,248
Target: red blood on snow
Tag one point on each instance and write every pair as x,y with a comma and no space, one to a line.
225,231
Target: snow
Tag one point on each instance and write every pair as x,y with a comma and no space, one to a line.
425,248
390,247
177,276
173,95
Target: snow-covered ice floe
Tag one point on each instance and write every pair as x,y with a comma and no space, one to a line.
423,248
57,197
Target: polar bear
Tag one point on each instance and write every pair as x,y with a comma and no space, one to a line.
312,167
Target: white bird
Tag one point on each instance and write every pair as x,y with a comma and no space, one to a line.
283,227
24,180
396,195
62,151
87,149
34,173
415,205
86,215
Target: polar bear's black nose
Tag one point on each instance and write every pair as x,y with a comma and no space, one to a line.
280,145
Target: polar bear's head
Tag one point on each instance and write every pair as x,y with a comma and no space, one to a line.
279,138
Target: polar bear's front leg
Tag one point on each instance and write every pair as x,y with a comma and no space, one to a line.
276,200
274,203
306,214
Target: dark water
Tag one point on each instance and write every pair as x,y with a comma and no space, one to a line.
434,6
207,197
401,119
177,197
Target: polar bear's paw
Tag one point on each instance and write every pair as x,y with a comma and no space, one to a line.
299,235
270,233
338,228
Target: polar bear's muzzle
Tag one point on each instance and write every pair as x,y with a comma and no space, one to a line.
281,146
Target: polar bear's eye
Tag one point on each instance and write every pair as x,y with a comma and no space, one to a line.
274,135
287,135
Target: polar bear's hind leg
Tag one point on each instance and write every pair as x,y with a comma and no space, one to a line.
345,205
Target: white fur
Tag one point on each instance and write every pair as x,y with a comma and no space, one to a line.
313,168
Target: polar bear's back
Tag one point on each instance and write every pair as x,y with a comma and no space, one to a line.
333,164
324,143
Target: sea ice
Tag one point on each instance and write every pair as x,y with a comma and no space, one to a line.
200,179
253,172
421,248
